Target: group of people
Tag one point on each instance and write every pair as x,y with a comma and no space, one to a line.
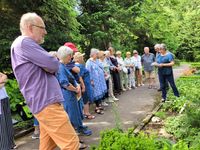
59,86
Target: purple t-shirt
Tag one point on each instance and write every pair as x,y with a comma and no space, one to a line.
39,87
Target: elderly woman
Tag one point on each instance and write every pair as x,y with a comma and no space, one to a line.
123,71
138,67
106,67
6,126
129,64
165,62
97,79
70,89
157,50
85,76
115,72
111,67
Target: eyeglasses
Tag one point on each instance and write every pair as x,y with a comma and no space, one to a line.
41,27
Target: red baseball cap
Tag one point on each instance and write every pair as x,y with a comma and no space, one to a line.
72,46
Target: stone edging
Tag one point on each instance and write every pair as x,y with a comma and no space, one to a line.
147,119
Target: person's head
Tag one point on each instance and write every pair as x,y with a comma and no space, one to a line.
119,53
94,53
65,54
112,50
53,53
32,25
128,54
72,46
135,53
157,47
163,48
146,50
101,55
107,53
79,57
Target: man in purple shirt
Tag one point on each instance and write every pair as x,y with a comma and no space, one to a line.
34,70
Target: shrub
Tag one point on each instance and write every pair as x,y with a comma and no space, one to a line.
118,140
14,94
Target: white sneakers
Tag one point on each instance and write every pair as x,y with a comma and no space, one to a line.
112,99
104,104
115,99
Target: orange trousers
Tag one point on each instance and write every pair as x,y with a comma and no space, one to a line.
56,129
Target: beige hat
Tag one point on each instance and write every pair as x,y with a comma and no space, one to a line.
78,55
128,53
118,53
135,52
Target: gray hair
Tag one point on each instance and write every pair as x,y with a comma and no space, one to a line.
27,19
93,51
107,53
63,52
163,46
157,46
53,53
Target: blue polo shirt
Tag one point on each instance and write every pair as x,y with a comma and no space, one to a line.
165,59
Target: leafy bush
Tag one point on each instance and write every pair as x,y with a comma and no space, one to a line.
196,65
197,57
117,140
160,114
188,87
186,126
14,94
182,129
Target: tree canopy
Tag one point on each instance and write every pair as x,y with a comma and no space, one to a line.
125,25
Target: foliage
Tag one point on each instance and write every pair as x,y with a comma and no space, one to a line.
116,139
186,126
161,114
195,65
104,23
189,91
14,94
59,17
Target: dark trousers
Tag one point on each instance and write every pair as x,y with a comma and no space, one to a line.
163,79
116,81
6,126
166,83
107,84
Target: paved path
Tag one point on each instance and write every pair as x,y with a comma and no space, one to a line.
133,106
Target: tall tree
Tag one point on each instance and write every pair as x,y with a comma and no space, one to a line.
59,16
105,23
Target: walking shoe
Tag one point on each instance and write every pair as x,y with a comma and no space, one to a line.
115,99
129,88
110,100
35,136
14,148
124,89
87,132
163,100
104,104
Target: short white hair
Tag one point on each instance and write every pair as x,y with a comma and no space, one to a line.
157,46
63,52
27,19
93,51
163,46
53,53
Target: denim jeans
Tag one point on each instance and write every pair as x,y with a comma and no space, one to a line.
35,122
163,79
